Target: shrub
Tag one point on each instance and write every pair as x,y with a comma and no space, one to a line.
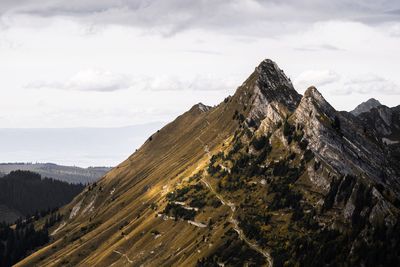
178,211
308,155
303,144
288,129
259,143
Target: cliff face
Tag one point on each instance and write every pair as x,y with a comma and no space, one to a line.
267,177
384,122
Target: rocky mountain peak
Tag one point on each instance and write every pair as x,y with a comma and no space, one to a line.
313,103
366,106
271,76
273,96
275,85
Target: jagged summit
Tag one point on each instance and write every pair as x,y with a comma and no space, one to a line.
271,76
269,93
366,106
275,85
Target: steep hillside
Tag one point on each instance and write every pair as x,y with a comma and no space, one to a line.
267,177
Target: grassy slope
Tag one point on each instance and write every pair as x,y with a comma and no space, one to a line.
174,153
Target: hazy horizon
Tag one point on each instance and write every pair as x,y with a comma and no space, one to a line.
83,147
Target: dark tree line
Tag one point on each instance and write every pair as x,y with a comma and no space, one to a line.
19,240
28,192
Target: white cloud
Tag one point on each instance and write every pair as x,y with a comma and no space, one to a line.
369,84
98,80
107,81
316,78
365,84
87,80
238,17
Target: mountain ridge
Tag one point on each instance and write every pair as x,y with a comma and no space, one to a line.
254,180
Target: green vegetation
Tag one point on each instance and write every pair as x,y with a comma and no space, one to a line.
29,193
260,143
196,196
232,252
290,225
288,130
19,241
177,211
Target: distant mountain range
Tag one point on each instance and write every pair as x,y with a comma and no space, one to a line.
70,174
268,177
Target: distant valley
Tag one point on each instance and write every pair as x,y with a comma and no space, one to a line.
70,174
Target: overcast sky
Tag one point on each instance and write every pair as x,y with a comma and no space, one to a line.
98,63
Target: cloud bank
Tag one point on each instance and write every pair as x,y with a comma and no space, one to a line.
113,63
107,81
243,17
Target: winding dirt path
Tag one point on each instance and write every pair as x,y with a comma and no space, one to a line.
235,224
123,255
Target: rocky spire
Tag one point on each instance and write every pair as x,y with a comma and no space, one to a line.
275,85
270,76
272,96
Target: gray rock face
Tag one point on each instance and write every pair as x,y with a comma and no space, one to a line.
275,86
339,140
366,106
273,96
336,138
355,173
383,122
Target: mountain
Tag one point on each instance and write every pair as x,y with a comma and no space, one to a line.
24,193
384,122
70,174
366,106
267,177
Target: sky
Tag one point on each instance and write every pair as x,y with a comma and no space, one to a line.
99,63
